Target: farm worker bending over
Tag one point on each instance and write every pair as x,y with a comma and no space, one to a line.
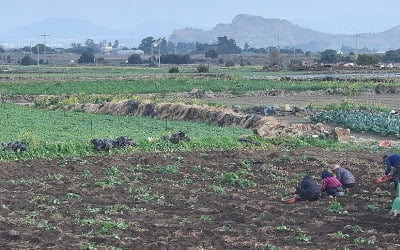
330,184
308,189
344,176
393,160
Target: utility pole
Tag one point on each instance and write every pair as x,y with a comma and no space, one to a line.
44,50
175,44
157,43
38,60
279,49
159,55
356,36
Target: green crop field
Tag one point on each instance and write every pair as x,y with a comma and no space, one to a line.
70,132
141,86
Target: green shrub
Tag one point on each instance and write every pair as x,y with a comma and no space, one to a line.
203,68
173,70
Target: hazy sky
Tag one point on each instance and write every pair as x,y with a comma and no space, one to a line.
331,16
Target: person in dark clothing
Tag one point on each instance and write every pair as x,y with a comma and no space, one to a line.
390,161
308,189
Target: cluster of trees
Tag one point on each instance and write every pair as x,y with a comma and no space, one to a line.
332,56
169,52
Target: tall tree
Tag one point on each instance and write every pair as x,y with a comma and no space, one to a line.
147,45
329,56
227,46
86,57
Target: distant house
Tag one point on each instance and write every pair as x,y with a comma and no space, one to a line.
128,52
106,50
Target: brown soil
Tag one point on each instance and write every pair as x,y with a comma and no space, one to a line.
138,202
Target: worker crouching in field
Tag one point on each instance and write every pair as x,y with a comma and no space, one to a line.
330,184
308,189
344,176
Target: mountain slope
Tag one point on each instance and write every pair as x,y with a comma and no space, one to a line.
64,31
261,32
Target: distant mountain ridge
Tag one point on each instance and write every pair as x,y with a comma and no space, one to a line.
258,32
261,32
64,31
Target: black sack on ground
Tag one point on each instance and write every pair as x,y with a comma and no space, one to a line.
178,137
106,144
102,144
14,146
123,141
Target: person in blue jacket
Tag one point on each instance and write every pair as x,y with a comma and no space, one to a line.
308,189
393,160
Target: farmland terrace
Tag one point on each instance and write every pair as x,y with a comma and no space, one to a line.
206,199
210,192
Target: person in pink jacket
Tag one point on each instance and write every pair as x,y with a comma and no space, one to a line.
330,184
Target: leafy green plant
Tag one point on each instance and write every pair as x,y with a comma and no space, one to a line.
73,196
86,174
24,181
302,236
143,193
46,225
90,246
341,235
283,228
362,240
37,199
247,163
206,217
219,189
336,207
168,169
109,225
55,176
116,209
115,171
236,178
382,123
89,209
284,159
109,182
350,105
186,181
373,207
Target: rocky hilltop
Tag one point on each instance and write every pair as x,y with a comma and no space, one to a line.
261,32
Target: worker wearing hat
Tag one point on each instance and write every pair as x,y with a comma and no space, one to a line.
344,176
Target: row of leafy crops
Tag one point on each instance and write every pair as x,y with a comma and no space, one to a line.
58,133
382,123
53,134
165,85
